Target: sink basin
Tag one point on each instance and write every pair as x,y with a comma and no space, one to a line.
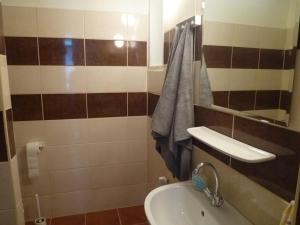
182,204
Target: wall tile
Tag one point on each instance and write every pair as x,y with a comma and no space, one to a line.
70,180
219,79
136,79
97,26
136,128
64,106
215,120
61,51
105,53
198,42
24,79
137,53
152,101
242,100
7,190
30,207
271,59
156,79
290,58
2,39
137,104
166,47
3,153
246,58
106,79
217,56
23,25
137,27
221,98
267,100
63,79
66,132
27,107
277,35
60,23
285,101
269,79
10,131
242,79
281,172
21,50
107,105
5,101
246,36
217,33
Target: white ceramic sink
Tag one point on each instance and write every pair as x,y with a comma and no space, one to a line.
181,204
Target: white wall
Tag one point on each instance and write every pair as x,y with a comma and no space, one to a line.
134,6
270,13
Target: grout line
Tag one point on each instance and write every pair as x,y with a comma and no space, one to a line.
119,216
86,105
232,128
127,94
85,218
42,104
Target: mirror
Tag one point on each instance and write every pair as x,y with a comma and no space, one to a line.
250,48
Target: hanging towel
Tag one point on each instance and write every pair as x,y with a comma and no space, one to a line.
205,93
174,112
288,213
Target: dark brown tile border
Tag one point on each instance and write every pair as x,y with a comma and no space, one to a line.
242,100
246,58
64,106
215,120
137,104
61,51
137,53
221,98
10,130
107,105
271,59
267,100
3,149
105,53
217,56
290,58
22,50
27,107
166,47
285,100
152,101
198,42
2,40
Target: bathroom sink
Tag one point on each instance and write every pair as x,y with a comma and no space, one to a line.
181,204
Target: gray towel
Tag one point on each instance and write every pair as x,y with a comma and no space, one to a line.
205,93
174,112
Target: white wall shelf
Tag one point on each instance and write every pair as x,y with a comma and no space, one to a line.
229,146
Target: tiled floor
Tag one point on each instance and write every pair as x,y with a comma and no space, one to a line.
124,216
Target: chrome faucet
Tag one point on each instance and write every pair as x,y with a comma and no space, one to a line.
214,196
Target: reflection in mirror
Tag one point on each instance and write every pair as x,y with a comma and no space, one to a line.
250,47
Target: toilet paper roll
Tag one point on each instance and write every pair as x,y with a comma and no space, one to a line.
32,153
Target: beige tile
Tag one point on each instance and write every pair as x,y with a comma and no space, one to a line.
107,129
217,33
67,157
70,180
118,175
63,79
28,131
66,132
16,180
136,79
137,151
20,21
60,23
106,79
8,217
6,189
272,38
137,27
40,185
5,101
246,36
155,80
24,79
242,79
219,79
137,128
70,203
269,79
117,197
105,25
20,214
30,207
287,80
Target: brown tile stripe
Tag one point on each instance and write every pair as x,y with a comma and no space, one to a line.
198,42
271,59
73,106
64,106
285,100
267,100
61,51
3,149
70,51
2,41
107,105
246,58
221,98
242,100
152,101
166,47
10,130
217,56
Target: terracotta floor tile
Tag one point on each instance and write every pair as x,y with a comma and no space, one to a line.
132,215
69,220
109,217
